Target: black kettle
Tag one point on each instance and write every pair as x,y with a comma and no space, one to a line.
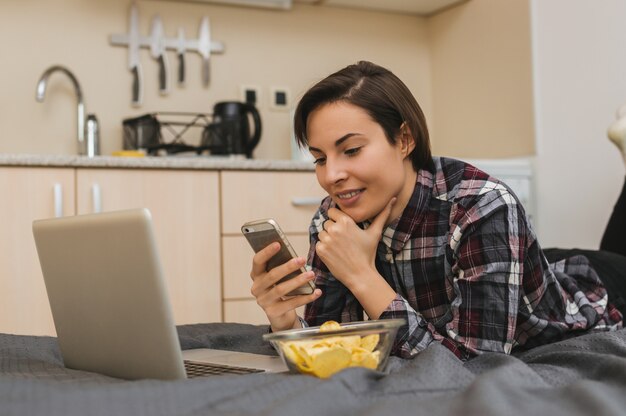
229,132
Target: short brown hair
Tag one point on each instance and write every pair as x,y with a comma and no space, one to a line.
381,94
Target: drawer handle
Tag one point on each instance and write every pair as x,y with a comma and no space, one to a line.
96,198
58,200
306,201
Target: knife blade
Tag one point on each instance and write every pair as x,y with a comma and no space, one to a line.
180,51
133,56
204,47
157,50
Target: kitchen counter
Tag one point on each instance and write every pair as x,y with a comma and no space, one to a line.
158,162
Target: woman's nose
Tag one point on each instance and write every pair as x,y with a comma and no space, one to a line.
335,172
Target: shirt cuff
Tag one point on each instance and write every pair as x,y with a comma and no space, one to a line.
302,322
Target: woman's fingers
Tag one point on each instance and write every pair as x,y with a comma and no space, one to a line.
270,295
265,281
260,259
271,278
280,308
288,286
278,292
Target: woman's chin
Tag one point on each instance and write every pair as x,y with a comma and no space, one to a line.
356,216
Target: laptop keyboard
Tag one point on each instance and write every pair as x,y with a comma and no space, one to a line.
198,369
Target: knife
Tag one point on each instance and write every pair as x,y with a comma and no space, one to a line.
133,56
157,50
204,47
180,51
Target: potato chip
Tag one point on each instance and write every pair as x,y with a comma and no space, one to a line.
330,326
369,342
327,356
330,361
292,354
350,342
365,359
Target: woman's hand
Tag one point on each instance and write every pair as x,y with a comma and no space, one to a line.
347,250
350,254
271,296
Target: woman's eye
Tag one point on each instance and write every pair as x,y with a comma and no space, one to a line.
319,161
353,151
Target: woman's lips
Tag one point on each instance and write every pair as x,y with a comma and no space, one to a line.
349,197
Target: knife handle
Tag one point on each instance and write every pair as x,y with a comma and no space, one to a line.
181,69
136,87
163,87
205,72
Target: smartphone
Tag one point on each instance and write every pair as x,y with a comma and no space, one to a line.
260,234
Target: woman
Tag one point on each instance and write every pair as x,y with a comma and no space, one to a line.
432,240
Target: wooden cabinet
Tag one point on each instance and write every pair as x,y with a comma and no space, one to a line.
197,217
186,222
289,197
28,194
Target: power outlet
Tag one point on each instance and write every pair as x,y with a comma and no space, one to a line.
250,94
280,99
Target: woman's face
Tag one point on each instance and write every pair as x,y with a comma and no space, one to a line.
356,164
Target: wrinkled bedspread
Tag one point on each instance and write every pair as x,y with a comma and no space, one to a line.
580,376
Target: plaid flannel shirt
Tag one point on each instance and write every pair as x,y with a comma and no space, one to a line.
468,272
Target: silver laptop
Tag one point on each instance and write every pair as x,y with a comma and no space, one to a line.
109,301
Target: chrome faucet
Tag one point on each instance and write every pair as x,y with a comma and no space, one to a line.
91,146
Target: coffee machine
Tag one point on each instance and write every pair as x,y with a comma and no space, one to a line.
229,133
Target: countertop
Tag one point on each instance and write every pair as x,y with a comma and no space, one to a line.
157,162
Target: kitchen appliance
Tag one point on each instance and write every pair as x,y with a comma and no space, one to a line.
229,133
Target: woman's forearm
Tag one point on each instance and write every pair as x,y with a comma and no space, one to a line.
373,293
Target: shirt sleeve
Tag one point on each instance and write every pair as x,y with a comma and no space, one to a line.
487,239
416,334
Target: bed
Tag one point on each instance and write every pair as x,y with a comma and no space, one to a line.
580,376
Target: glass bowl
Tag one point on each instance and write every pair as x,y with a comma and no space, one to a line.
324,350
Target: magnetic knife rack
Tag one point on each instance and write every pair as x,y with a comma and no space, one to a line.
169,43
158,44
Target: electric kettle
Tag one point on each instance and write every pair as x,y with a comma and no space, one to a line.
229,132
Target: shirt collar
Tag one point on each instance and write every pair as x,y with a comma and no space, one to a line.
397,233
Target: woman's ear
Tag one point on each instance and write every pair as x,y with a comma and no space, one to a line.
407,141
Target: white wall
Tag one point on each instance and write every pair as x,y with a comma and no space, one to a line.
579,53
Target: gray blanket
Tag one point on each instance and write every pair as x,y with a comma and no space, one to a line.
580,376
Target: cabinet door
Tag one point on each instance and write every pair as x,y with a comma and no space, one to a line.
28,194
289,197
237,260
185,213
